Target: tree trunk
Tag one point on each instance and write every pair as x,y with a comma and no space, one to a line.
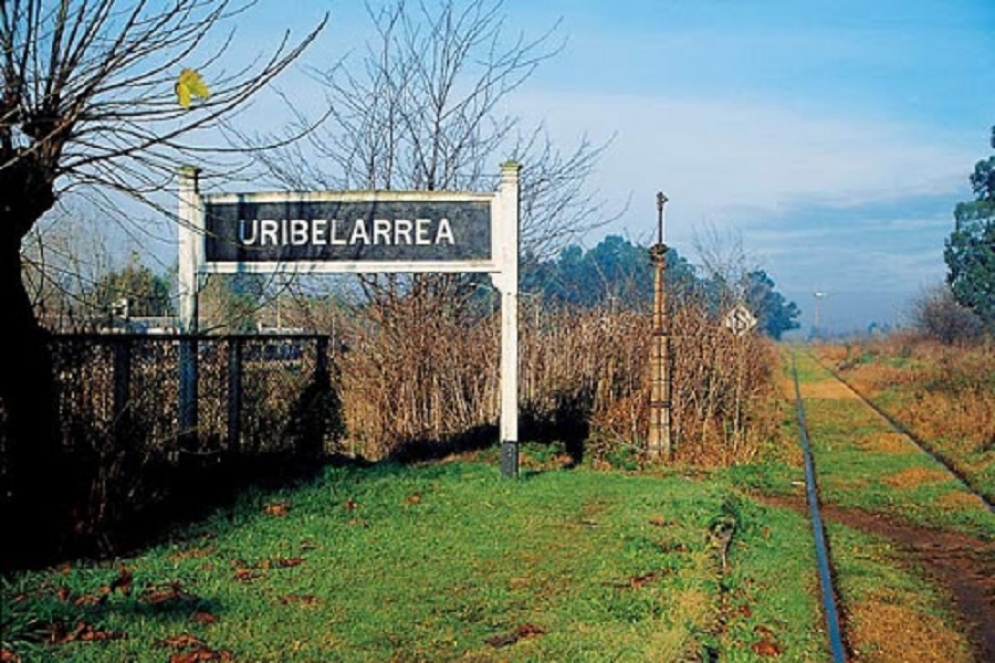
35,492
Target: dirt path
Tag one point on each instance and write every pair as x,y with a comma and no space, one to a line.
962,565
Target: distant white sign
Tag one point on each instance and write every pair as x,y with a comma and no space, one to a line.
740,320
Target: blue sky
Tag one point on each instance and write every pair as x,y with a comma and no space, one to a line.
833,137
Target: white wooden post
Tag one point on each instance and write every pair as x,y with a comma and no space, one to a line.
191,257
191,248
507,284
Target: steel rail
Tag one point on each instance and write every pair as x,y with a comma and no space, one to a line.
834,632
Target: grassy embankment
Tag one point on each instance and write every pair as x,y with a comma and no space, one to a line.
445,562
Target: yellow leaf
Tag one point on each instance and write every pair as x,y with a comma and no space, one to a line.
183,95
189,85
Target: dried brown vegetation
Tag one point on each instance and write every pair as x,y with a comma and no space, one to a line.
420,371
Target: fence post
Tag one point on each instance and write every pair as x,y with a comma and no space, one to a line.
315,438
234,396
189,377
122,388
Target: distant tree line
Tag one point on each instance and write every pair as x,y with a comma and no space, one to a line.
618,273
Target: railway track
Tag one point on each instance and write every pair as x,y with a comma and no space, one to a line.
830,609
841,646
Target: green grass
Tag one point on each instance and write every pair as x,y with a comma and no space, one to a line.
445,562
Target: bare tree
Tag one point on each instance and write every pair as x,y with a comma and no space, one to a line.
724,263
424,110
425,107
89,102
63,258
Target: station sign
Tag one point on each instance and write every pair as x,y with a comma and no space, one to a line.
329,232
381,228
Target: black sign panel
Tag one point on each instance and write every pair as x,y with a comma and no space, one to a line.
368,231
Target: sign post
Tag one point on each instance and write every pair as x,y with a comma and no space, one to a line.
337,232
191,255
660,445
506,281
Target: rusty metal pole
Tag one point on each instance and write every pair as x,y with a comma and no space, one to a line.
660,445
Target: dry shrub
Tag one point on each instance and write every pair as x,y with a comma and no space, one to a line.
942,392
420,368
423,370
723,391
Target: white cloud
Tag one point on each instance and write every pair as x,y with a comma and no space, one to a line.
843,201
721,159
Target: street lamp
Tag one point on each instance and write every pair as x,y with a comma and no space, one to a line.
815,327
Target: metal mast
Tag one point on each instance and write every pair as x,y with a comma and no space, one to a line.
660,445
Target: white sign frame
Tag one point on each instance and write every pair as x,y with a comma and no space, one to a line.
503,266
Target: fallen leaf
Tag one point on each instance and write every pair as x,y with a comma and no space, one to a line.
7,656
198,650
523,632
350,504
766,646
183,641
412,499
636,582
83,632
278,509
246,575
204,617
744,611
123,581
290,563
160,595
90,599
